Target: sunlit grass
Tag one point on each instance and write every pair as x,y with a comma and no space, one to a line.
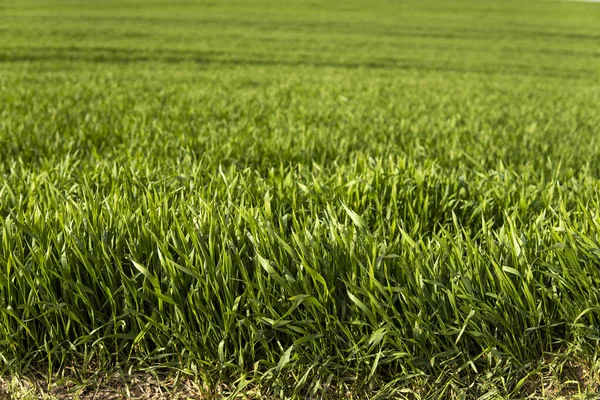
308,226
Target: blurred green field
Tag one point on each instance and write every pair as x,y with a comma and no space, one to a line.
308,199
524,38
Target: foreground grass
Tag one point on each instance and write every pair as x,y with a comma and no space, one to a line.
300,220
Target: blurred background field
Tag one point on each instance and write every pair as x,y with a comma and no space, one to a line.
541,38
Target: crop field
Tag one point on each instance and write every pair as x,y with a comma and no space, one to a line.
300,199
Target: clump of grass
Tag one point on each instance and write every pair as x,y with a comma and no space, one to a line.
376,272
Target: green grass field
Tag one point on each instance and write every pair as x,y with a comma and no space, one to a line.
302,199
